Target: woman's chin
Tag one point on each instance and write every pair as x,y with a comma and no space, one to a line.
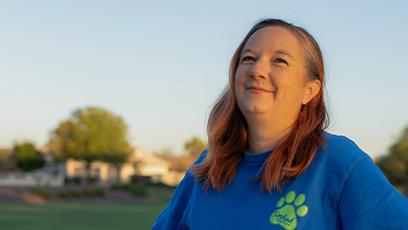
255,109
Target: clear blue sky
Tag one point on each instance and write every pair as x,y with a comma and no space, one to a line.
161,65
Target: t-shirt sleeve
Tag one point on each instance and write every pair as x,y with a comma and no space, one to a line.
370,201
171,216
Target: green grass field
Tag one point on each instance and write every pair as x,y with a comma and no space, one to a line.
81,216
76,216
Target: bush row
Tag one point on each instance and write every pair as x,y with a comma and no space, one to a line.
96,192
135,189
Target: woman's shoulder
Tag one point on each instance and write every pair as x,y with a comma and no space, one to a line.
366,195
189,175
341,148
340,155
201,157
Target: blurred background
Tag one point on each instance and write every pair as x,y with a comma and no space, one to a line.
105,103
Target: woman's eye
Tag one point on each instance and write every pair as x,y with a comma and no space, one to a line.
281,60
246,58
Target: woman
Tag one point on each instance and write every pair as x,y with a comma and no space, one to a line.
269,162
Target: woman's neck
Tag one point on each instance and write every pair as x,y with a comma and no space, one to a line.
264,136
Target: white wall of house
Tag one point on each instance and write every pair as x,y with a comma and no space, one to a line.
172,178
140,163
31,179
126,172
101,170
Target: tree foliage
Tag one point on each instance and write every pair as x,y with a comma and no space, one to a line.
26,157
91,134
395,163
194,146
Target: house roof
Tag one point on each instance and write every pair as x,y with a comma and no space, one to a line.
6,149
145,157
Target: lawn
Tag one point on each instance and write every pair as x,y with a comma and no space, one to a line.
63,216
80,216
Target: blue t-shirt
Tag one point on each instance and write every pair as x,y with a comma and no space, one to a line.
341,189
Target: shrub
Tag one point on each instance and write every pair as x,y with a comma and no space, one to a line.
135,189
43,193
115,187
97,192
124,187
69,194
138,190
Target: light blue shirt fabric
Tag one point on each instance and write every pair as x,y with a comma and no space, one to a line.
341,189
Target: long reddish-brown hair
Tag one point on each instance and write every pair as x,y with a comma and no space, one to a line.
227,128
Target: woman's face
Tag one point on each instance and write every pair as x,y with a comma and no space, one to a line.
271,74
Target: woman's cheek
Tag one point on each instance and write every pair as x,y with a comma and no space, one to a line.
238,76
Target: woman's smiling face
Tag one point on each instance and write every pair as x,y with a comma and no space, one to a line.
271,75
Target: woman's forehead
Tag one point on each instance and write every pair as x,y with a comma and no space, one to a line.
272,39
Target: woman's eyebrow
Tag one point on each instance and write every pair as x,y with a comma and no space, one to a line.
277,51
247,50
284,53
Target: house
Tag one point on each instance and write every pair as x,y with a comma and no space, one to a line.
50,175
140,163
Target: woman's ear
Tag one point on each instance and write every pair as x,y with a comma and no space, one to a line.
311,89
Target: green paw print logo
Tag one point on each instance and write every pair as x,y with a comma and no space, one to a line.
290,207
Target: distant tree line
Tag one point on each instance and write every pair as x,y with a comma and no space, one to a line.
90,134
394,164
95,134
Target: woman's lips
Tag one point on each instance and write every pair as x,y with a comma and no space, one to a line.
259,90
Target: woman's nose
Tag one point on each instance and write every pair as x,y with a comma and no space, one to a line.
258,70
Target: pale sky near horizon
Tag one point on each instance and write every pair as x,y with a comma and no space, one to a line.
161,64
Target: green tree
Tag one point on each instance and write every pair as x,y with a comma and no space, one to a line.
395,163
91,134
26,157
194,146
